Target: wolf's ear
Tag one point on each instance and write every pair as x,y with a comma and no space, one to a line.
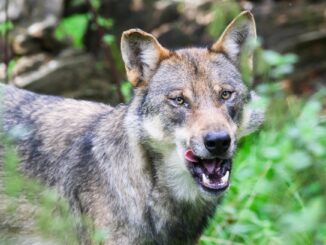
235,36
253,115
141,53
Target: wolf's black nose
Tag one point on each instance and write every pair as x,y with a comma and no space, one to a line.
217,142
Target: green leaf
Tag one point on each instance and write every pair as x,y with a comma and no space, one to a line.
104,22
73,27
96,4
126,90
6,27
108,39
299,160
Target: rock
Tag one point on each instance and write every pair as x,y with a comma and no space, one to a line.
62,73
23,44
26,12
34,23
15,9
43,28
30,63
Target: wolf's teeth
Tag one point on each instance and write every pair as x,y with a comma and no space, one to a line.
225,178
205,179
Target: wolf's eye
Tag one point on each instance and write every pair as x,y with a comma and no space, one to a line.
179,100
225,95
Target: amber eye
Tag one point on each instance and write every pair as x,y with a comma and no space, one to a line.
225,95
179,100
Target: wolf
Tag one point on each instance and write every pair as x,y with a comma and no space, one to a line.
152,171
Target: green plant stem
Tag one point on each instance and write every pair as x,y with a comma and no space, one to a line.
116,77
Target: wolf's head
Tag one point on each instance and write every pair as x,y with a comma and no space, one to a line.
193,102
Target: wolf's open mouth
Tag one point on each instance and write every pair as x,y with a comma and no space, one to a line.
212,174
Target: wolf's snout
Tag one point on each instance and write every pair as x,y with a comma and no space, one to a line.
217,142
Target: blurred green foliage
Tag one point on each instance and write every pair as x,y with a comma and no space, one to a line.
53,219
104,22
5,27
126,90
110,41
11,66
224,12
96,4
278,65
73,27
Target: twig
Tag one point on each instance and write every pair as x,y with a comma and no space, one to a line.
107,52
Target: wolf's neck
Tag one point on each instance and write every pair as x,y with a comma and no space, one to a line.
174,202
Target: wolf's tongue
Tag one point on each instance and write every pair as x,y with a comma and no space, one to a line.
189,156
210,165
